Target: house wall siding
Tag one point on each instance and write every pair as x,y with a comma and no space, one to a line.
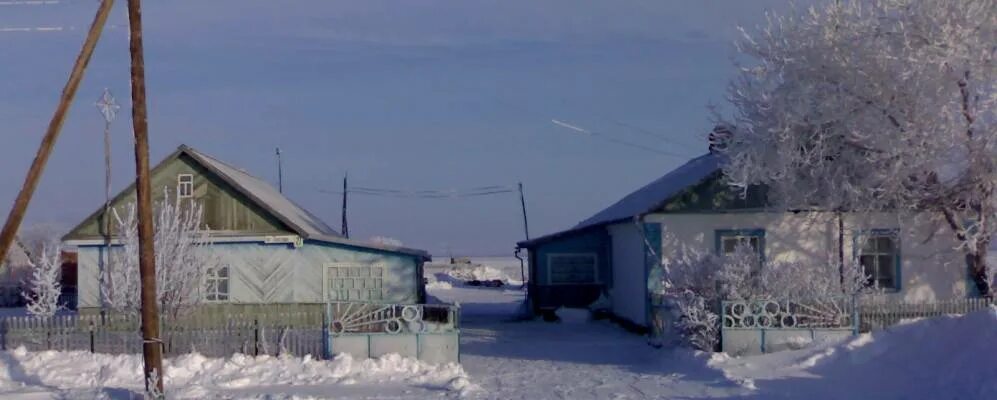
545,295
271,273
628,292
931,267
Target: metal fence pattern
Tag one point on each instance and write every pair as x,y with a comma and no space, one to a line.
877,314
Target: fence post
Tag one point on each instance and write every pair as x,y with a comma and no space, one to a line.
90,328
256,336
326,349
855,316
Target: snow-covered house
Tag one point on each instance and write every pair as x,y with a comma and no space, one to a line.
614,253
272,250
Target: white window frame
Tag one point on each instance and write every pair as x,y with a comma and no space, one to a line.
188,185
375,276
595,269
211,276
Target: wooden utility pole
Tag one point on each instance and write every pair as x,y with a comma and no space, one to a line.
151,343
346,226
522,202
16,215
280,172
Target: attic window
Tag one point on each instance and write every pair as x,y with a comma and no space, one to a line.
185,186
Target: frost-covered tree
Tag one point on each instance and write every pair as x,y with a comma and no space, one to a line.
182,252
879,105
44,285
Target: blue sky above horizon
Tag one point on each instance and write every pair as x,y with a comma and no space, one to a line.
445,94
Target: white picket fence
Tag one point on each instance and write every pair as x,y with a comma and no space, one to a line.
878,314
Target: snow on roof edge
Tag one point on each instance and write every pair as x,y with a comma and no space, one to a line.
646,198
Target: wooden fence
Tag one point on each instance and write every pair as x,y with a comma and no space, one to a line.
876,314
211,335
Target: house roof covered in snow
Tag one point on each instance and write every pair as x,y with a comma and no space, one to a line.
275,203
647,199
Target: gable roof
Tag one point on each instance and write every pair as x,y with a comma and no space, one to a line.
261,193
646,199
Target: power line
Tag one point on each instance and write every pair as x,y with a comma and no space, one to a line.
425,194
650,133
614,139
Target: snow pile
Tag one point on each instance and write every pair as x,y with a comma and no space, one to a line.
479,273
945,357
194,376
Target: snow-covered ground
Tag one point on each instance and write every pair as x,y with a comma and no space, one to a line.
574,359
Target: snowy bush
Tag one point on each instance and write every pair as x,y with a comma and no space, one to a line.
44,285
183,257
696,284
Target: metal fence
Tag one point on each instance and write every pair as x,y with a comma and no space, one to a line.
213,337
215,334
426,332
878,314
765,326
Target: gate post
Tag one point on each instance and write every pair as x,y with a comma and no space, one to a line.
326,346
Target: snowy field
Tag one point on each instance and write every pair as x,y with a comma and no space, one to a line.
503,358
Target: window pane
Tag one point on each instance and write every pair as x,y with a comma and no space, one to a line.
753,242
223,286
869,246
868,265
884,244
886,267
223,272
729,244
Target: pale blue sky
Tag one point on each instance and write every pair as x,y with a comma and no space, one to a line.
403,94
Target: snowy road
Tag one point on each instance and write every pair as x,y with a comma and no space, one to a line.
581,360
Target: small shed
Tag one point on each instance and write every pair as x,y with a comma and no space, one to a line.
273,250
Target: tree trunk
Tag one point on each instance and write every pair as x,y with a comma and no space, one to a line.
977,261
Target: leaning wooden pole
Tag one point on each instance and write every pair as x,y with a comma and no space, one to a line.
16,215
151,343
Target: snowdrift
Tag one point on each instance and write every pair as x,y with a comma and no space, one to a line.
941,358
192,376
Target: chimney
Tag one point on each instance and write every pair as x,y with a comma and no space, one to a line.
719,137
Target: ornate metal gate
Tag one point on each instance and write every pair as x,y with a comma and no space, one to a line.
765,326
429,332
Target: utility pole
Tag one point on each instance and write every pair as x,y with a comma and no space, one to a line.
151,343
16,215
522,202
526,230
346,226
108,109
280,173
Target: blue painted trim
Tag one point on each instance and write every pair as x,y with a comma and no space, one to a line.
652,258
897,258
756,232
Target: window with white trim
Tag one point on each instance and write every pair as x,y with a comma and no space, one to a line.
729,240
185,186
354,282
879,255
573,269
217,285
